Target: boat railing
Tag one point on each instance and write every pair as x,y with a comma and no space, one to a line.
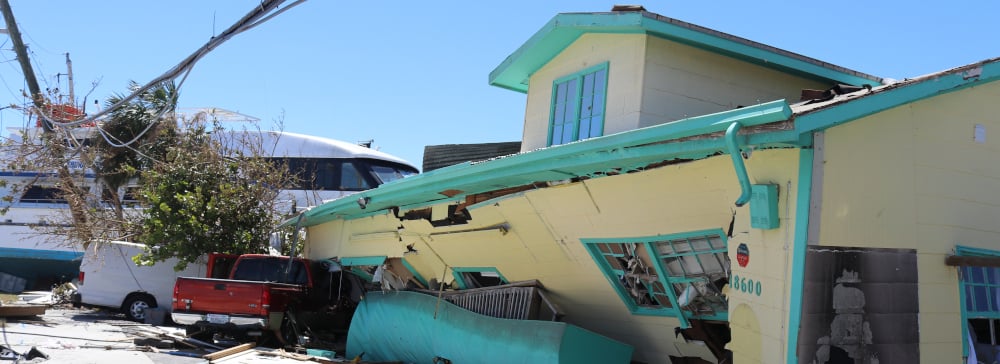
525,300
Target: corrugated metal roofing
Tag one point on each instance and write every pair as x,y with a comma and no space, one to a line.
439,156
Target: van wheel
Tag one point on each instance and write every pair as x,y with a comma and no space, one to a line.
135,306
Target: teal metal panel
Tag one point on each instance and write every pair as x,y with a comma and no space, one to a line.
416,328
349,261
800,241
764,206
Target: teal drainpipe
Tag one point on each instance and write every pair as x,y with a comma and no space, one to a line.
741,169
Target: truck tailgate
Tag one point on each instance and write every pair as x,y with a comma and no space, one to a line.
207,295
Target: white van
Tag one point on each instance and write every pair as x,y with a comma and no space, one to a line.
109,278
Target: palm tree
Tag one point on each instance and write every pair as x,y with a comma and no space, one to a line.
134,136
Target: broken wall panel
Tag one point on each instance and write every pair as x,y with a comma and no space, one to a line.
859,305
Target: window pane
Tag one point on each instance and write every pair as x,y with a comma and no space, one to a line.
980,294
710,264
994,306
993,276
974,274
717,242
613,262
584,128
691,265
567,133
600,81
586,106
561,93
596,126
603,248
617,248
664,248
559,115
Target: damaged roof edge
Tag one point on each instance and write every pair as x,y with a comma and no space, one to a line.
513,73
859,104
427,187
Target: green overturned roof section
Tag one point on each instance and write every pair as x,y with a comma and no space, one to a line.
564,29
593,158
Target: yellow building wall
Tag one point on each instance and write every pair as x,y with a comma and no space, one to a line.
914,177
544,243
625,55
654,81
680,81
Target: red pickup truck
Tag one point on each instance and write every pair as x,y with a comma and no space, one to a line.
258,293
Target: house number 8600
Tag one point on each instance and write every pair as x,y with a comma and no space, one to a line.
742,284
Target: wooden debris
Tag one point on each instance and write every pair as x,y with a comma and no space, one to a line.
227,352
22,310
285,354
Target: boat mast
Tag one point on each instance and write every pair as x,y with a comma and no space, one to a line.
69,75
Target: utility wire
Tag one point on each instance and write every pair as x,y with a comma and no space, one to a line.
254,18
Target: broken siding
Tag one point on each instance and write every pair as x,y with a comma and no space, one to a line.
916,177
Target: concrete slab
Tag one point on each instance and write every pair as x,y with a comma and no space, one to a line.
80,336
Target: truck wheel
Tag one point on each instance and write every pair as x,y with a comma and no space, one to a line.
135,306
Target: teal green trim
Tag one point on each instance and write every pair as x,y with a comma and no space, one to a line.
416,274
801,241
669,288
741,170
456,272
593,158
968,251
971,251
373,260
564,29
897,95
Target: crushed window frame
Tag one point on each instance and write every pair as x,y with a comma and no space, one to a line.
695,265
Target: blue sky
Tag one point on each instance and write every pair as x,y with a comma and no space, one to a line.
409,74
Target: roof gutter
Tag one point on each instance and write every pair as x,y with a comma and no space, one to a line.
563,160
741,170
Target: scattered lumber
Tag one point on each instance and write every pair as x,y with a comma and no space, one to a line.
227,352
22,310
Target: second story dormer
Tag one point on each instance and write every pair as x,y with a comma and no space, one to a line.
594,74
